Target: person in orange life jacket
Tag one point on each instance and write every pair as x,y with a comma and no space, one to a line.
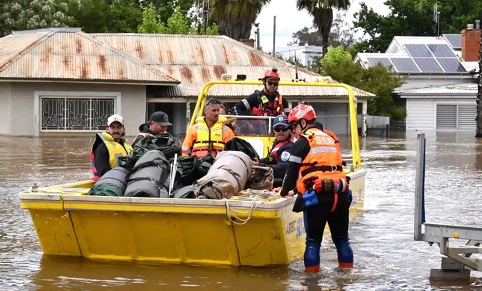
315,169
280,151
267,102
209,134
108,146
158,123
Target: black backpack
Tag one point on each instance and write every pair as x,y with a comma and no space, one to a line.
239,144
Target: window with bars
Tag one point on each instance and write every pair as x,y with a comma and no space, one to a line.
66,113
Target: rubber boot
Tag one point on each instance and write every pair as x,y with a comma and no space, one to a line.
345,253
312,257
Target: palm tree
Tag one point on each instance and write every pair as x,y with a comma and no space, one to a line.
235,18
322,11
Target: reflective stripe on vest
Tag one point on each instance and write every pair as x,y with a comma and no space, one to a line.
208,140
323,160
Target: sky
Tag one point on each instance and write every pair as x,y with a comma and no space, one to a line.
289,20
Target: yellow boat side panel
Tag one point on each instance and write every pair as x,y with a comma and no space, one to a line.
156,237
55,232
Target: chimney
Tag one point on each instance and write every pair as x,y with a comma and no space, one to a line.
248,42
470,44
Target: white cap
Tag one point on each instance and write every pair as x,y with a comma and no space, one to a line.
115,118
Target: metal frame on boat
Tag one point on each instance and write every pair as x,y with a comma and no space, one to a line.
241,231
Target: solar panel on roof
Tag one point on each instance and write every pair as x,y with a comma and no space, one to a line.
428,65
418,50
441,50
451,65
455,40
404,65
375,61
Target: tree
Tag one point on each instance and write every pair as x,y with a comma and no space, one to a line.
32,14
412,18
178,23
305,36
322,11
378,80
341,32
235,18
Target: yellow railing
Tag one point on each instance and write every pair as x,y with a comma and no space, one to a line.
355,146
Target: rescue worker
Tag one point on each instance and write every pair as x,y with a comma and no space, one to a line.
209,134
315,169
279,154
108,146
158,123
267,102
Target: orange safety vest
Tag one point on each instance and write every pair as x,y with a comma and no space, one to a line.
324,161
209,140
268,108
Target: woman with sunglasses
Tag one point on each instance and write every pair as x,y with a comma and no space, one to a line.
280,151
315,169
267,102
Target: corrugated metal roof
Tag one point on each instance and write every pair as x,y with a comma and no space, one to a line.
460,89
67,55
197,59
195,76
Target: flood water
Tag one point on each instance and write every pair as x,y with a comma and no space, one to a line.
386,255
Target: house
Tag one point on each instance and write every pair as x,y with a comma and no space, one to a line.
441,86
304,54
61,81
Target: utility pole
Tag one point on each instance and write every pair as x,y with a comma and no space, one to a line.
257,35
479,87
274,35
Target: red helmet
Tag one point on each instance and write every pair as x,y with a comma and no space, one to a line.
302,111
271,74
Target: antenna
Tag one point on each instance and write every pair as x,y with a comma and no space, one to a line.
296,67
436,17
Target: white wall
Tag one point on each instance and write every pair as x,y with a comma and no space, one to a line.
24,114
420,114
5,113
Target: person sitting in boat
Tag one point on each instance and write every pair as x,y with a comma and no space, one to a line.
280,151
267,102
224,110
108,146
158,123
209,134
323,195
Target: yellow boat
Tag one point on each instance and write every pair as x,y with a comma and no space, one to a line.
240,231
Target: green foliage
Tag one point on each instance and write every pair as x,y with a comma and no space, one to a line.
413,18
377,80
178,23
336,55
33,14
149,22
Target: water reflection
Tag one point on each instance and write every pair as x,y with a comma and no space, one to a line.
386,257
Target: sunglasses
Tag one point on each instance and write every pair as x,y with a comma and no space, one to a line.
278,129
273,83
213,101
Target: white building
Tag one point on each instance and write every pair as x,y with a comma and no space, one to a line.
440,90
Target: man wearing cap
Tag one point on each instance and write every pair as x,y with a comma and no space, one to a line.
209,134
108,146
158,123
279,154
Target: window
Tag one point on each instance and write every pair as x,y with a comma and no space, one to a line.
71,113
456,116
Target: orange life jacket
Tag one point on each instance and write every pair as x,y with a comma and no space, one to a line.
268,108
324,161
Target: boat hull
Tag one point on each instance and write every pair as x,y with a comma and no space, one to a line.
236,232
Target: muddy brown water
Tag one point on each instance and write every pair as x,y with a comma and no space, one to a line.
386,255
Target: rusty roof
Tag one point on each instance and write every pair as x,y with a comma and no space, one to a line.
197,59
71,55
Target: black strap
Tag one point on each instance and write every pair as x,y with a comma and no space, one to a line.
322,169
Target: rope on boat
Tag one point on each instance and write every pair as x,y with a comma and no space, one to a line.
257,197
234,215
